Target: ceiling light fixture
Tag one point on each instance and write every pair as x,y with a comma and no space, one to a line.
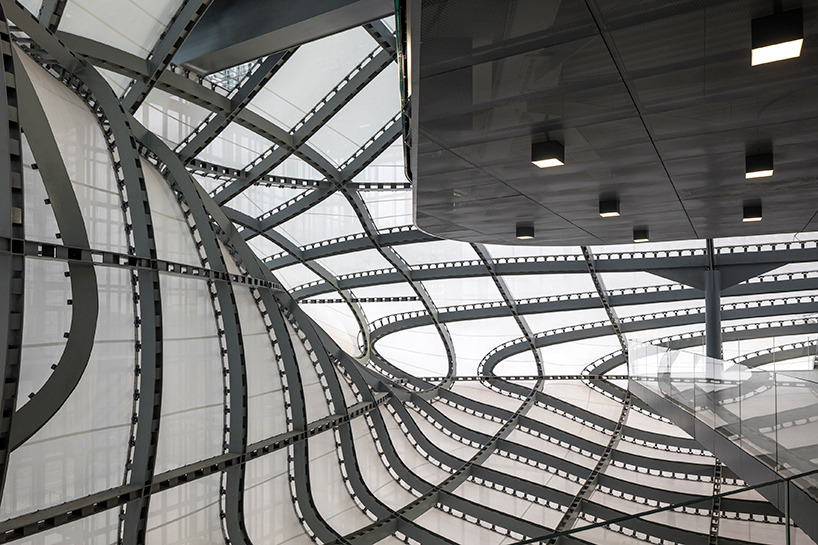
752,212
609,208
759,166
777,37
525,231
640,235
548,154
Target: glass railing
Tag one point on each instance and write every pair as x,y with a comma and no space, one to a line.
772,416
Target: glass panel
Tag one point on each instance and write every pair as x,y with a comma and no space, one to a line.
473,339
193,394
174,241
188,513
365,260
295,275
409,454
130,26
457,529
100,529
263,247
418,351
543,285
40,223
170,117
338,320
258,199
235,147
439,251
331,218
314,397
388,167
389,208
462,291
84,447
295,167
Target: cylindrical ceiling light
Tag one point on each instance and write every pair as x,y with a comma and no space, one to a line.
525,231
778,36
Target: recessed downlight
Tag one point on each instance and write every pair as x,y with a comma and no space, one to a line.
547,154
777,37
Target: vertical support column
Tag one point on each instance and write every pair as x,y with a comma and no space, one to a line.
712,306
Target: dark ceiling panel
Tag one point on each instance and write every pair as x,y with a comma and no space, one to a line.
655,102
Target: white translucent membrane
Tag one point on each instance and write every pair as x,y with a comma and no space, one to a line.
365,260
641,421
263,247
765,239
568,425
99,529
473,339
296,275
312,72
375,311
558,451
39,221
329,493
603,535
650,246
376,477
209,184
46,318
407,452
690,522
265,401
760,532
457,529
79,138
650,452
331,218
445,442
338,320
533,474
436,252
132,26
193,388
790,295
229,262
499,251
188,513
531,286
418,351
469,421
235,147
518,364
574,356
170,117
258,199
486,396
349,396
389,208
314,397
118,82
174,241
83,448
295,167
360,119
635,279
530,511
390,541
388,167
32,5
462,291
268,508
693,305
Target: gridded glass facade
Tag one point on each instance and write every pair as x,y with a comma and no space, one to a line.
221,325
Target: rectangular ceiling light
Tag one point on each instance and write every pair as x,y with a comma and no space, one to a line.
759,166
547,154
640,235
752,212
778,36
609,208
525,231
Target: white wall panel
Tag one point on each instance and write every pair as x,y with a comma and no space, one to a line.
268,508
192,397
46,318
186,514
83,448
265,400
331,497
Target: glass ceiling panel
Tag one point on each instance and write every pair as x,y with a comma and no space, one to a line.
209,184
650,246
310,74
376,311
388,167
258,199
235,147
366,260
462,291
497,251
547,321
418,351
765,239
438,251
295,275
572,357
389,208
625,311
295,167
541,285
118,82
473,339
129,25
629,280
331,218
360,119
263,246
32,5
338,320
399,289
518,364
170,117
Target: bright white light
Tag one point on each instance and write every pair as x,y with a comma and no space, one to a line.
758,174
748,220
609,214
525,237
777,52
641,239
545,163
